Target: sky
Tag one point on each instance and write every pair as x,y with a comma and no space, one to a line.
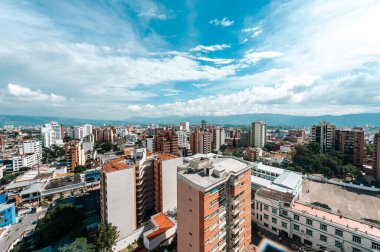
121,59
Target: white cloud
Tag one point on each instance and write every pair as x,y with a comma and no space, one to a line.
24,93
210,48
201,85
254,57
244,41
225,22
217,61
254,31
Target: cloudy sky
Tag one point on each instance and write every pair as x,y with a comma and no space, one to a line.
118,59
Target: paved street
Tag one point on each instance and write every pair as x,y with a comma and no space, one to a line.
17,230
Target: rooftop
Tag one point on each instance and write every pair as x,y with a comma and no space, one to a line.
275,195
161,223
288,179
5,206
220,168
335,218
118,164
164,156
268,168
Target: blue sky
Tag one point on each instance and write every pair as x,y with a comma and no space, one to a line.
118,59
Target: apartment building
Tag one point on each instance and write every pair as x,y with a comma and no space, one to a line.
218,137
214,205
200,141
48,136
32,146
166,142
324,135
376,156
148,180
185,126
351,144
258,134
74,154
26,160
317,228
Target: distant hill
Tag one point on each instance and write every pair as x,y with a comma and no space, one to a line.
349,120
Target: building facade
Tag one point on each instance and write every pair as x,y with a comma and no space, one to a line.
376,156
351,144
7,215
74,154
214,205
258,134
166,142
324,135
33,146
26,160
200,141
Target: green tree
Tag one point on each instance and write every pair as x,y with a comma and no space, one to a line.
79,169
369,148
269,146
79,245
106,237
106,146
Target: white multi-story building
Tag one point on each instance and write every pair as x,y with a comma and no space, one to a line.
318,229
218,137
77,132
87,130
26,160
266,171
185,126
58,132
32,146
258,134
183,139
48,136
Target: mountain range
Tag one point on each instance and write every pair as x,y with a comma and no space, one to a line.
348,120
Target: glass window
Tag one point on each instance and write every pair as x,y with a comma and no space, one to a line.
296,217
356,250
284,224
266,225
266,217
296,227
338,244
274,210
214,190
323,238
338,232
356,239
274,220
376,246
323,227
309,232
309,222
214,202
274,229
213,214
266,208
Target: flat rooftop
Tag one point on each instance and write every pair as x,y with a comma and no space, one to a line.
118,164
349,202
221,165
335,218
161,223
275,195
267,168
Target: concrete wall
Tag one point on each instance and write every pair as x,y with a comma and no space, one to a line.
121,205
169,183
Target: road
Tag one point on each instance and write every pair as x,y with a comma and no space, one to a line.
19,229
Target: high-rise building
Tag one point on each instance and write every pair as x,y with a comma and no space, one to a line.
351,144
87,130
107,136
376,155
324,135
166,142
1,143
245,138
200,141
218,137
258,134
214,205
33,146
96,132
133,188
77,132
48,136
59,135
185,126
74,154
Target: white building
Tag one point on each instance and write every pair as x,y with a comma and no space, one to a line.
219,137
184,126
58,132
48,136
149,144
318,229
26,160
161,233
87,130
32,146
266,171
258,134
183,137
2,169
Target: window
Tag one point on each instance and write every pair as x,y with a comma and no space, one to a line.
376,246
309,232
266,217
266,208
338,244
213,214
214,237
338,232
274,220
296,227
296,217
266,225
309,222
356,239
214,248
214,225
323,238
356,250
274,210
323,227
285,213
274,229
284,225
213,203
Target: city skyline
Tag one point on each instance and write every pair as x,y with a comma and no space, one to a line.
142,58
